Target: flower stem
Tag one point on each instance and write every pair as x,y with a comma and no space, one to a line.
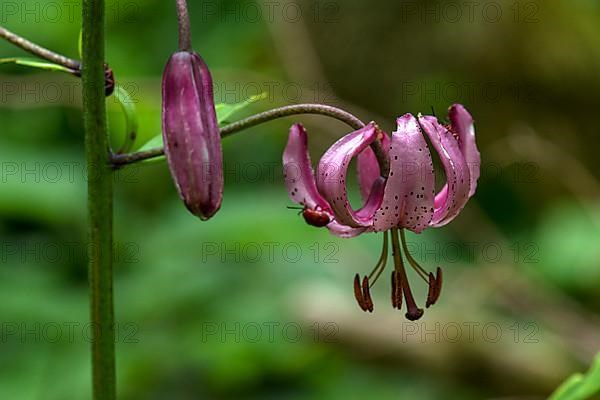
38,50
100,203
185,34
286,111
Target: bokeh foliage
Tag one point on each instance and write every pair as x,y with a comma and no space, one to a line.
189,294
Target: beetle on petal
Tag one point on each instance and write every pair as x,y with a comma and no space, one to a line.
405,199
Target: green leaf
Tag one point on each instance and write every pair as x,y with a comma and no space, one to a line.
131,120
224,111
566,390
580,387
591,383
34,63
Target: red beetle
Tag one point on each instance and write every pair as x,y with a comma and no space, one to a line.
315,217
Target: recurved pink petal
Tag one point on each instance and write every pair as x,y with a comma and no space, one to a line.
462,124
344,231
451,200
410,189
331,178
298,172
368,168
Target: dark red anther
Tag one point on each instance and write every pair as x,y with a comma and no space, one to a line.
318,218
435,287
363,294
438,283
358,294
367,294
431,292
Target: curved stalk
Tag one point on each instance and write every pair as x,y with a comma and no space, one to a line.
100,203
39,51
276,113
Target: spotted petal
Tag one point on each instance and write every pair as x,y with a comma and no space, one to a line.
462,124
410,190
331,178
298,173
451,199
368,167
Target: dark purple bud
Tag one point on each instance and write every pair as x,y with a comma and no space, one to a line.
191,133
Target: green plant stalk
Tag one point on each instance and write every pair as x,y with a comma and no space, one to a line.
100,203
38,50
119,160
185,35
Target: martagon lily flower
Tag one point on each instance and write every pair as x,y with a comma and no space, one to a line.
405,199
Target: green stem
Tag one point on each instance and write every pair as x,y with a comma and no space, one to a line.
286,111
38,50
100,206
185,34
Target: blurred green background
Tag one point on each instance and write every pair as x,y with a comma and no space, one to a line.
255,304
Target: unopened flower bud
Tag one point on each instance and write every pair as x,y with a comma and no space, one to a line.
191,133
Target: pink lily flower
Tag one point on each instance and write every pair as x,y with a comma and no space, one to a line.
405,199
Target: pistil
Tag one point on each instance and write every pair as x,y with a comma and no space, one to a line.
413,312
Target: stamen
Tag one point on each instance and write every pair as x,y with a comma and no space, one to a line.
367,294
380,266
359,294
413,263
413,312
363,292
431,292
435,287
438,284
